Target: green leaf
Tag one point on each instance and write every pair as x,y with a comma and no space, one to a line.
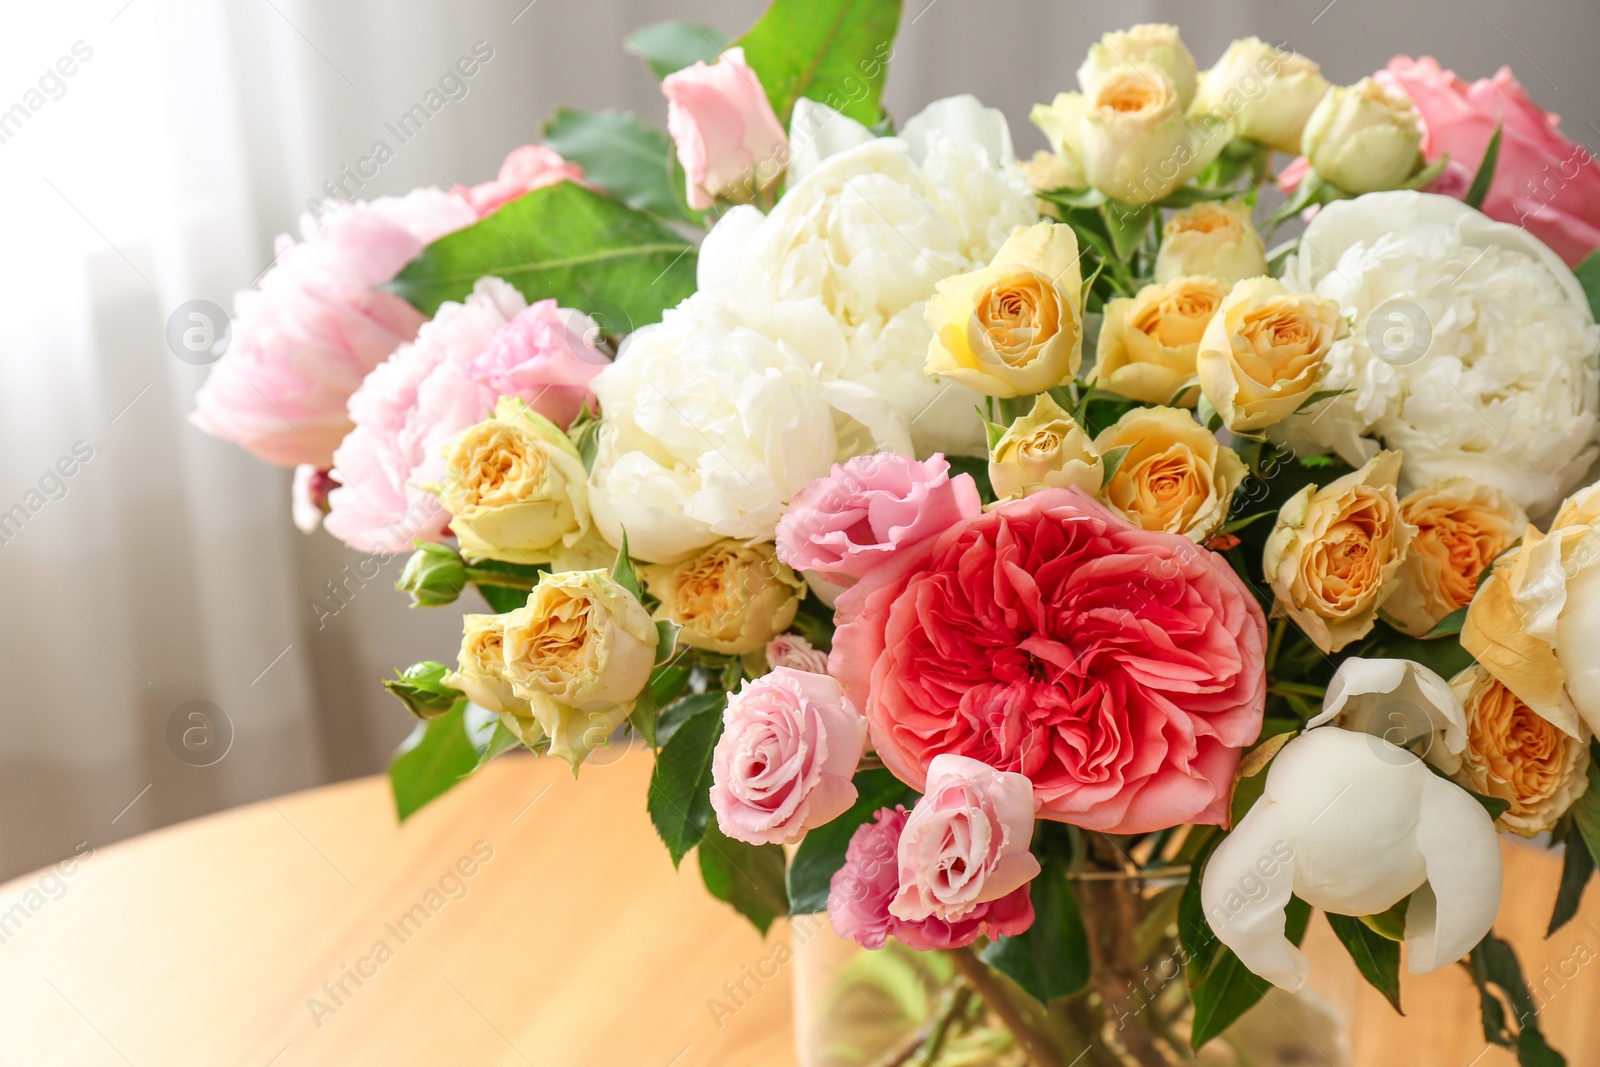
1586,810
666,641
1230,989
1127,225
1450,624
978,468
622,156
749,877
1390,923
680,787
821,852
1577,865
1113,458
563,242
1319,396
833,51
1051,958
1190,195
1200,945
438,755
644,715
500,740
1486,167
623,574
667,47
1375,956
421,688
1493,965
1206,413
1588,274
677,713
502,599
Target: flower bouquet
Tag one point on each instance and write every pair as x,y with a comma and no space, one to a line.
1018,562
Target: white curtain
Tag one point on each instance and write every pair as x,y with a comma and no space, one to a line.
163,569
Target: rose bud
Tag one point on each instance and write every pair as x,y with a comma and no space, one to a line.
1044,449
729,140
1266,92
731,598
1214,239
1363,138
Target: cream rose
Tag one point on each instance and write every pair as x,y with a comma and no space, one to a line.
1267,93
1516,755
1262,353
1015,327
579,652
1044,449
1175,478
1332,558
1149,44
1148,341
1461,528
1363,138
481,667
516,487
731,598
1214,238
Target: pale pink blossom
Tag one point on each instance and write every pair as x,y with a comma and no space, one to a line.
533,166
727,135
792,650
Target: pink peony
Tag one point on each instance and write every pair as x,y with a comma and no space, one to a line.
792,650
862,891
726,132
429,391
867,510
530,167
1542,181
789,748
1119,669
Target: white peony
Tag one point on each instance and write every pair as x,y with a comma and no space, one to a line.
1472,348
868,227
714,420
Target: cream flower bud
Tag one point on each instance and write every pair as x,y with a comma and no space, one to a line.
1212,238
1015,327
1148,342
1363,138
731,598
1175,478
1263,351
1402,702
1044,449
1265,91
1149,44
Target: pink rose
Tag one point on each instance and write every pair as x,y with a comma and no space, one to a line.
789,747
726,132
429,391
304,340
525,169
870,508
1119,669
1542,181
861,892
792,650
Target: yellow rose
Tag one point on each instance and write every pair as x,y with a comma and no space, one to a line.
1148,341
579,652
1047,171
1461,528
1149,44
1363,138
1535,621
1516,755
1265,92
1015,327
481,666
1175,478
516,487
1211,238
1263,351
1332,558
732,598
1044,449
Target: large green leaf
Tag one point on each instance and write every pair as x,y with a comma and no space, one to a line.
1051,958
621,155
1493,965
1231,989
577,246
1577,866
749,877
822,852
832,51
680,787
1588,273
438,755
1375,956
667,47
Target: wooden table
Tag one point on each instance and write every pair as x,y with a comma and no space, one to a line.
525,919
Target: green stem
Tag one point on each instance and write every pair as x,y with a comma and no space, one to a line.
983,982
1284,688
1276,642
500,578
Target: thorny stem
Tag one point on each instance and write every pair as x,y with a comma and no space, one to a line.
1038,1049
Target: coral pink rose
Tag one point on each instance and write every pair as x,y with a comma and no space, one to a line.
1542,181
860,894
869,508
789,748
525,169
447,380
726,132
792,650
1119,669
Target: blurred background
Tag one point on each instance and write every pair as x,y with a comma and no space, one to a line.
165,570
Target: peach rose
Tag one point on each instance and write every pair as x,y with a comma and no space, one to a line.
1461,527
732,598
1333,556
1148,341
1212,238
1262,352
1175,478
1044,449
1515,754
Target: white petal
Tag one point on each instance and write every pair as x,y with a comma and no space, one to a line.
1575,641
722,258
817,131
965,120
1457,907
1399,701
1246,886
